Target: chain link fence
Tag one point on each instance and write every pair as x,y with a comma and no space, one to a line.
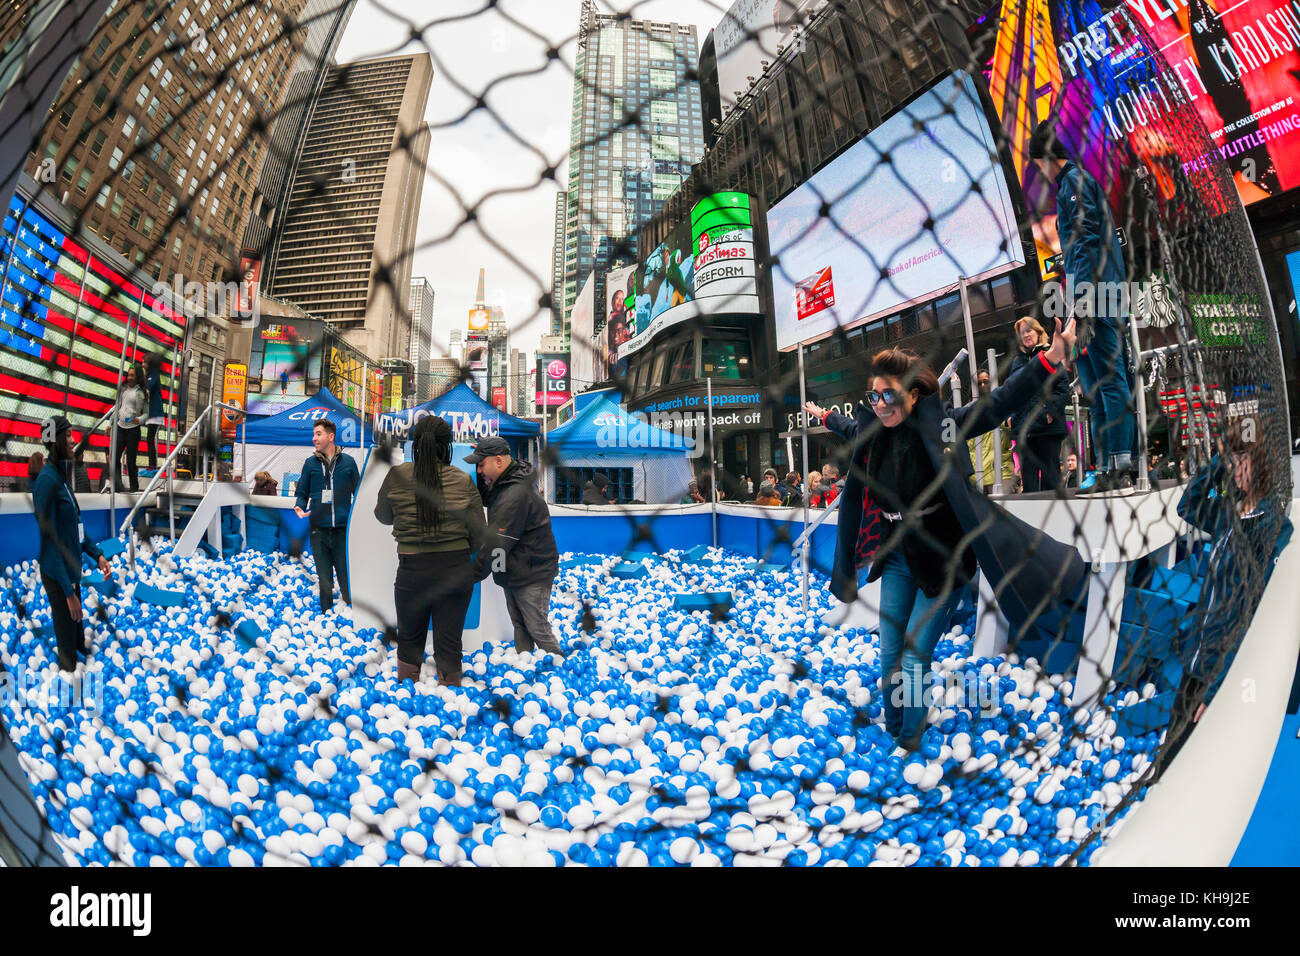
711,706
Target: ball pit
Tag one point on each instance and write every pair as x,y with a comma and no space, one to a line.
664,738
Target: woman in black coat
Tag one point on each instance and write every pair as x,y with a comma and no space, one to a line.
1039,428
909,487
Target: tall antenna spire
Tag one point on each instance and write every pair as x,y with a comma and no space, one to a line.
480,300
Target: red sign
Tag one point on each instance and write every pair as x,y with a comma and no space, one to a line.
814,294
499,396
250,272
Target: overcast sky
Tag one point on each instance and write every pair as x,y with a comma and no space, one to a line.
474,156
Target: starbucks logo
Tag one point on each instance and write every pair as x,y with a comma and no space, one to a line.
1155,305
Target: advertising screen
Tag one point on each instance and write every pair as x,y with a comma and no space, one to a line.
620,286
894,237
476,352
704,267
552,378
250,273
285,364
1237,62
478,320
234,391
64,317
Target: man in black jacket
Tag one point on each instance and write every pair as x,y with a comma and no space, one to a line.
520,553
594,493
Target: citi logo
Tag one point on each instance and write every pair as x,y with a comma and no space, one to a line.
309,414
77,909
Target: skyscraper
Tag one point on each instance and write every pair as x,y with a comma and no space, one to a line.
520,400
158,157
420,308
557,265
323,22
349,228
635,132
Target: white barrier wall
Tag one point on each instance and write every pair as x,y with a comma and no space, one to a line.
372,569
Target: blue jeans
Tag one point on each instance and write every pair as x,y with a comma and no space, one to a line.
910,627
1103,373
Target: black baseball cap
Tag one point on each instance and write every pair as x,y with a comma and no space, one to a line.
487,447
54,426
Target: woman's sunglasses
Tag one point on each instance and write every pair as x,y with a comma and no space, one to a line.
888,395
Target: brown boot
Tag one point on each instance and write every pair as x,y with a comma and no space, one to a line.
449,680
407,671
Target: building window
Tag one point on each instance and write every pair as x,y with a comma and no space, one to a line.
726,358
569,483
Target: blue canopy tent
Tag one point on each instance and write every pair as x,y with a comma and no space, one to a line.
281,443
470,419
650,464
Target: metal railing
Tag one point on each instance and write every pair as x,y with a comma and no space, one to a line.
158,476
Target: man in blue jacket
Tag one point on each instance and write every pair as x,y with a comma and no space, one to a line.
325,492
63,541
1093,266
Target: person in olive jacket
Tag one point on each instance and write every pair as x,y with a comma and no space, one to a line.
63,541
437,519
938,529
521,555
1039,428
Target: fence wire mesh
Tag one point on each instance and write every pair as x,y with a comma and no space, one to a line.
1073,639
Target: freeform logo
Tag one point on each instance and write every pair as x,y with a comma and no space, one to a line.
77,909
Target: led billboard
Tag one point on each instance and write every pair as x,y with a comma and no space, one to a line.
898,232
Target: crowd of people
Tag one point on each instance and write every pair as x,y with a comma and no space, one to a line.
914,516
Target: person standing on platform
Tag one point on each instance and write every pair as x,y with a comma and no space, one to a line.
987,447
63,541
437,518
520,553
325,492
1039,429
130,416
1092,263
157,416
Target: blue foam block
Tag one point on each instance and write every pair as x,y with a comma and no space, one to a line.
112,547
706,601
1145,716
772,566
698,555
150,595
105,586
207,548
248,632
629,571
1054,657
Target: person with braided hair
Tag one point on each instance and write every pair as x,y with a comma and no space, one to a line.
437,518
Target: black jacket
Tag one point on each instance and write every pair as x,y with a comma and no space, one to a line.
1031,421
1029,571
591,495
519,528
